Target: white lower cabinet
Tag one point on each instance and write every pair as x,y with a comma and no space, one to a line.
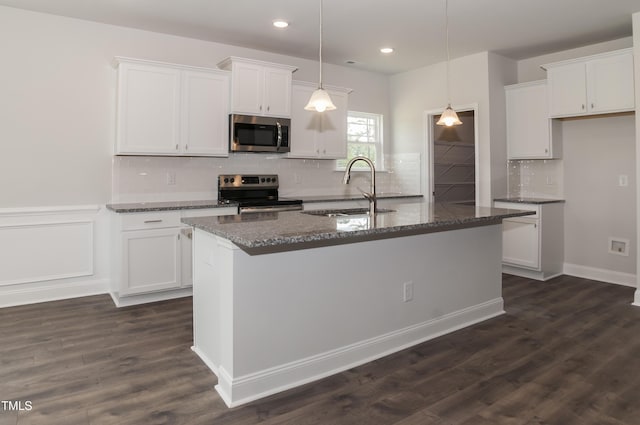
521,242
150,260
533,245
152,254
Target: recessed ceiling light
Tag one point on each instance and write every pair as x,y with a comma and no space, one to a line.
280,23
386,50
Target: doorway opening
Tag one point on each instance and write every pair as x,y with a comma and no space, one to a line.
452,173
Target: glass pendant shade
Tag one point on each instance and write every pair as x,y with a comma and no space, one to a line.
449,117
320,101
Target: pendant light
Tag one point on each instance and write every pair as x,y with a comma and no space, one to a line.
449,116
320,100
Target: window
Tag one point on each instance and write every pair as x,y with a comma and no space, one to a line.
364,138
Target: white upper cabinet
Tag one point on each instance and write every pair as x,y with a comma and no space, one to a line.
148,109
529,128
318,134
596,84
205,113
166,109
259,88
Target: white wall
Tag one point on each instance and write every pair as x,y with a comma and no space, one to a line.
475,79
529,69
595,152
58,100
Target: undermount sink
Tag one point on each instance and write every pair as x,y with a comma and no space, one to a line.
345,212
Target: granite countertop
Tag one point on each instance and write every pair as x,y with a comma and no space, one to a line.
167,206
260,233
337,198
525,200
131,207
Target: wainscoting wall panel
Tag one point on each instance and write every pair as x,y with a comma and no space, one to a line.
52,253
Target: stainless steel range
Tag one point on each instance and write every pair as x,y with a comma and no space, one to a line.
254,193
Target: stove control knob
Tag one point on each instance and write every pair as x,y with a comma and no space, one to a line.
274,179
262,179
226,179
232,180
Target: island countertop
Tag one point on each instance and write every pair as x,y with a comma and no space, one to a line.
261,233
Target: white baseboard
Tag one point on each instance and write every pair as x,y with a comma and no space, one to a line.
636,302
15,295
603,275
150,298
244,389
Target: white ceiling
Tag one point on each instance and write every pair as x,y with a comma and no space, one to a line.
354,30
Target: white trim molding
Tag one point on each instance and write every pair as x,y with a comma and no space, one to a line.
602,275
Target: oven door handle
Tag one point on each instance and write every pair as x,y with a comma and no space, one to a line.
275,208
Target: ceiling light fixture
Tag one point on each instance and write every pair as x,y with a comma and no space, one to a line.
280,23
449,116
386,50
320,100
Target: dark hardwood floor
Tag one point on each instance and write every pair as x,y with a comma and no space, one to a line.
567,352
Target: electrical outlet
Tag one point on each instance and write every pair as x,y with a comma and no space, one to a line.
623,180
171,178
407,291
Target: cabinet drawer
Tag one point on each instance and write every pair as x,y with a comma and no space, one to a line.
519,206
155,220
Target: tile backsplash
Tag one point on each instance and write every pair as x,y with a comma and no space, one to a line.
537,178
156,178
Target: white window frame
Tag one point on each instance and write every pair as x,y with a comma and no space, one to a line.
379,143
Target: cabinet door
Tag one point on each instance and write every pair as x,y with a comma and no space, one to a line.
151,260
528,133
610,84
277,92
521,242
148,109
333,131
247,88
567,90
205,114
305,125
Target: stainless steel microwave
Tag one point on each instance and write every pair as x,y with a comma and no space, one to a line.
250,133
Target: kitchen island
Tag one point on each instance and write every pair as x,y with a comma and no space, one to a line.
282,299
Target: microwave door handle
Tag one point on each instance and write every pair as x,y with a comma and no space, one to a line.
279,135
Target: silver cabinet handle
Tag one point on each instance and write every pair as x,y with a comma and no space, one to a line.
153,221
186,147
582,106
261,107
592,106
176,146
268,108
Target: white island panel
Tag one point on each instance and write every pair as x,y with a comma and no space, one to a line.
266,323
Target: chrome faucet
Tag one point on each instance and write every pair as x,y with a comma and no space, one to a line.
371,196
